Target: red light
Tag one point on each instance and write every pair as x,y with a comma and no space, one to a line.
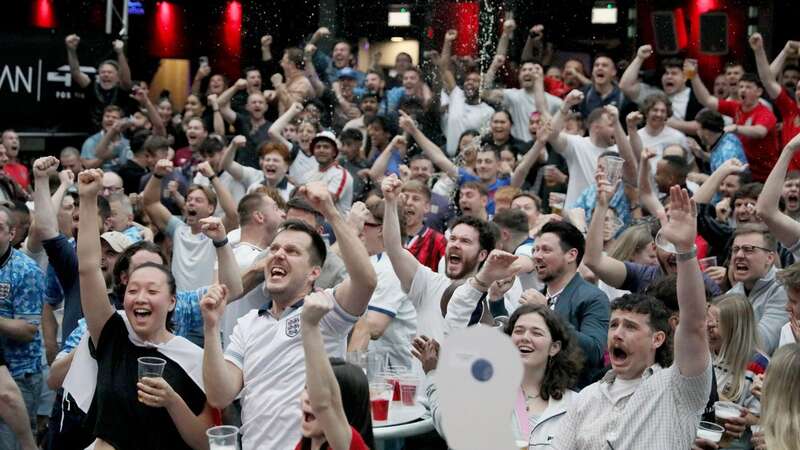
166,42
43,15
234,11
232,27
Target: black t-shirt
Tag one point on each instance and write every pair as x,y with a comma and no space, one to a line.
535,180
118,416
131,174
248,156
98,98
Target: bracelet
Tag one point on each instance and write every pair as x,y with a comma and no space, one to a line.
221,243
158,177
691,254
635,206
211,178
482,286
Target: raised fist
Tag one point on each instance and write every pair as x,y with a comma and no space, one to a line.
241,84
266,40
118,45
163,167
756,41
574,97
90,182
276,79
509,25
44,167
72,41
644,52
323,32
451,35
239,141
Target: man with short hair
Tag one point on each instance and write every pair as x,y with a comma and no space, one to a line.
253,84
721,145
296,87
413,87
70,158
643,401
604,90
112,85
265,358
112,184
368,106
754,123
465,109
473,200
120,147
325,148
251,123
753,256
21,298
425,243
526,100
390,322
259,218
16,170
515,239
121,219
655,135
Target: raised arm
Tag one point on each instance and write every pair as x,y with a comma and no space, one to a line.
125,81
632,121
783,227
430,149
378,169
509,25
105,147
224,100
45,222
79,77
691,335
202,72
700,91
227,162
608,269
488,93
780,60
324,394
557,138
647,198
629,168
94,300
771,85
219,121
276,129
311,71
533,156
354,292
223,380
629,82
405,265
140,94
448,80
534,47
151,196
711,185
224,197
227,266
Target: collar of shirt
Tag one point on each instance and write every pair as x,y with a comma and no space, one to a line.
268,307
611,376
553,298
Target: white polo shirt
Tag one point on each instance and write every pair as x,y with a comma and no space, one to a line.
389,299
193,256
425,294
340,184
269,351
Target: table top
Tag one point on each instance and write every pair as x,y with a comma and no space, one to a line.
404,421
400,414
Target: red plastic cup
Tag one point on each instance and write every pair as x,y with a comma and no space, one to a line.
408,390
379,396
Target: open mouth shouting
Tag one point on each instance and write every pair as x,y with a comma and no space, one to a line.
277,273
618,354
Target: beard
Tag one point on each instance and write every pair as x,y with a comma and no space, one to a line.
467,267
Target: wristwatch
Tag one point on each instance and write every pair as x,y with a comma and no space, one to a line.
691,254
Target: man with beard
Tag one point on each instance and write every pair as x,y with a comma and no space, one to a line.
754,123
469,243
264,360
526,100
251,123
425,243
645,401
466,111
625,275
753,256
413,87
192,252
673,85
339,181
112,85
557,253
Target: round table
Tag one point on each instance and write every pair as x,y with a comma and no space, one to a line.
403,422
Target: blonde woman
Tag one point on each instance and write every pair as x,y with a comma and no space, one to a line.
780,418
733,339
635,245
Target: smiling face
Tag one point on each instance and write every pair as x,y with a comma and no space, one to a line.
603,70
793,302
289,271
305,133
532,338
729,186
194,106
749,266
501,126
463,252
197,207
341,54
274,167
324,152
657,116
647,255
216,84
410,80
712,325
110,118
550,261
421,170
195,132
673,80
632,343
527,73
486,165
147,302
472,83
108,76
414,209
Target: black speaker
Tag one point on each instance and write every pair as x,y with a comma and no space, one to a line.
714,33
665,32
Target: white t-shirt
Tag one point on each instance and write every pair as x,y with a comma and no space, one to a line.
581,156
245,254
303,167
389,299
680,99
425,294
521,105
462,117
668,136
787,337
193,256
340,184
269,351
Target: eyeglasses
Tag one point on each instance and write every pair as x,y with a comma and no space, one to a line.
112,189
748,249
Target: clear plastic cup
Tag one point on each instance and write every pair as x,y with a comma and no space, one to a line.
375,364
151,367
614,170
358,359
723,411
664,244
710,431
225,437
408,389
690,68
557,200
380,396
391,377
705,263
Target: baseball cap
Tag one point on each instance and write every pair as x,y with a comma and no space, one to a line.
327,136
118,241
347,72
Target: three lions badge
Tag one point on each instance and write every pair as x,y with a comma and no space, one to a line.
293,326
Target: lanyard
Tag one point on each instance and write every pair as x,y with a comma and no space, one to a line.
522,416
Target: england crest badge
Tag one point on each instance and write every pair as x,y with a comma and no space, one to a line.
5,290
293,326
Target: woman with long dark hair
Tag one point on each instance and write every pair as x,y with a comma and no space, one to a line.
335,403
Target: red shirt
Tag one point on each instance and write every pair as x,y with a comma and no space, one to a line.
761,153
428,246
19,173
356,442
791,123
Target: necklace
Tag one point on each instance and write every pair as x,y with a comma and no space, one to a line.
528,398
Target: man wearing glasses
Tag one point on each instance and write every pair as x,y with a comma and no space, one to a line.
752,259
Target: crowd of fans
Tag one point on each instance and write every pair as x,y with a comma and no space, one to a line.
636,241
